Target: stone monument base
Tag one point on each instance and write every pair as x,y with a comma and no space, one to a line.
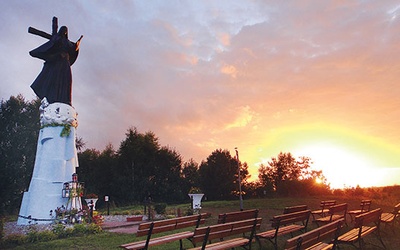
56,161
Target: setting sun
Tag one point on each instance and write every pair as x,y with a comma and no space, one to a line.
342,168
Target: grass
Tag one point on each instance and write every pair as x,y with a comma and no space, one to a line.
268,207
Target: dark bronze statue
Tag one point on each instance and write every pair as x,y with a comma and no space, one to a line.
55,80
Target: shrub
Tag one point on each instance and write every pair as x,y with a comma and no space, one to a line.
94,228
13,240
60,230
79,229
137,212
35,236
46,235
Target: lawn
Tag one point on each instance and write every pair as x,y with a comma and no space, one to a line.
268,207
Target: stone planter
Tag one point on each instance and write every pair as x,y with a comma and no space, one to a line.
89,201
134,218
196,200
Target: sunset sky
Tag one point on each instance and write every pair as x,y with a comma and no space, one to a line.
313,78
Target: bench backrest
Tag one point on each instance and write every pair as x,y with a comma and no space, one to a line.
148,228
220,231
368,218
327,204
293,209
327,232
365,205
338,209
396,209
238,215
286,219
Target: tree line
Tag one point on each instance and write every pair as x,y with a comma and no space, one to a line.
140,168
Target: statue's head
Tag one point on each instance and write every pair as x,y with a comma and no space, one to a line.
63,31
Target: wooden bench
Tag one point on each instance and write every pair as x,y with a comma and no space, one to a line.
325,205
335,212
237,215
324,237
205,235
285,224
364,225
148,229
365,206
390,218
293,209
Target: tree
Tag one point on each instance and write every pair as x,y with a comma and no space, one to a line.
19,128
96,170
219,175
288,176
146,169
166,185
190,175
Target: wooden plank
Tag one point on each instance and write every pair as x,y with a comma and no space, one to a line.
205,235
151,228
284,224
314,238
238,215
158,241
293,209
335,212
364,225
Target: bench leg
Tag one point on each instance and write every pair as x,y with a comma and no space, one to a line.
378,235
181,244
273,241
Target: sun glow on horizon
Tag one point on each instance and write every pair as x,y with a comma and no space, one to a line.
341,167
346,157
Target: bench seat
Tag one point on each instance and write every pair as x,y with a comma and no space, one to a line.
336,212
270,234
149,229
226,244
284,224
159,240
364,225
237,229
324,237
352,235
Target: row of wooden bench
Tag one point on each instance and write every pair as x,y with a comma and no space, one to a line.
242,228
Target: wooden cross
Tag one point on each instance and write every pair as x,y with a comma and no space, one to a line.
44,34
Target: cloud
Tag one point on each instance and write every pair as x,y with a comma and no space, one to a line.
216,74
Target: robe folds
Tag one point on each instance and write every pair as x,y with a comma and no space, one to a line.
55,80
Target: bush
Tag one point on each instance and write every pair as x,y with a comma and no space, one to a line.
36,236
61,231
13,240
79,229
94,228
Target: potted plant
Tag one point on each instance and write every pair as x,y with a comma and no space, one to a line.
196,195
91,199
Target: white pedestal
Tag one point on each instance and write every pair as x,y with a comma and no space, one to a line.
196,200
56,161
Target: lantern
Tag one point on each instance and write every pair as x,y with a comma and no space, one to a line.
66,191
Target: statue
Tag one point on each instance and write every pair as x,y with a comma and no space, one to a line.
55,80
56,156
